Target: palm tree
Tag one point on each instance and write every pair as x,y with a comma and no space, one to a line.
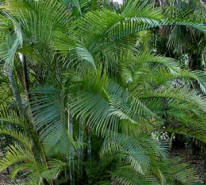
182,41
97,97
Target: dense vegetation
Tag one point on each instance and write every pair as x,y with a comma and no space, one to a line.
93,92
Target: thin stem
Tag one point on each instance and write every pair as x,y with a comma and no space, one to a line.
71,160
16,93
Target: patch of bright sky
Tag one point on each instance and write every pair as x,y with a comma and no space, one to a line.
119,1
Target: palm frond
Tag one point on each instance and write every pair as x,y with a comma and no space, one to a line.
48,114
15,155
19,137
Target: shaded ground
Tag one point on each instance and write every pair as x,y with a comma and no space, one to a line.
5,179
196,161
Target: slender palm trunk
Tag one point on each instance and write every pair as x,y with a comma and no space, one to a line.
16,93
86,153
71,160
89,148
161,3
81,139
25,76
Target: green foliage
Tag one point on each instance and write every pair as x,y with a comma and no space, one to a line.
96,93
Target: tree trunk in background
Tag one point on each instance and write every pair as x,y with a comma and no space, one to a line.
16,93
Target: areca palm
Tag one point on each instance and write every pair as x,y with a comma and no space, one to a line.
181,40
97,95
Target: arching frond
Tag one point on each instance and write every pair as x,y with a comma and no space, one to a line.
103,104
19,137
48,111
15,155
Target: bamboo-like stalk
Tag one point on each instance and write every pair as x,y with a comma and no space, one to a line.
71,159
16,93
25,76
81,139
